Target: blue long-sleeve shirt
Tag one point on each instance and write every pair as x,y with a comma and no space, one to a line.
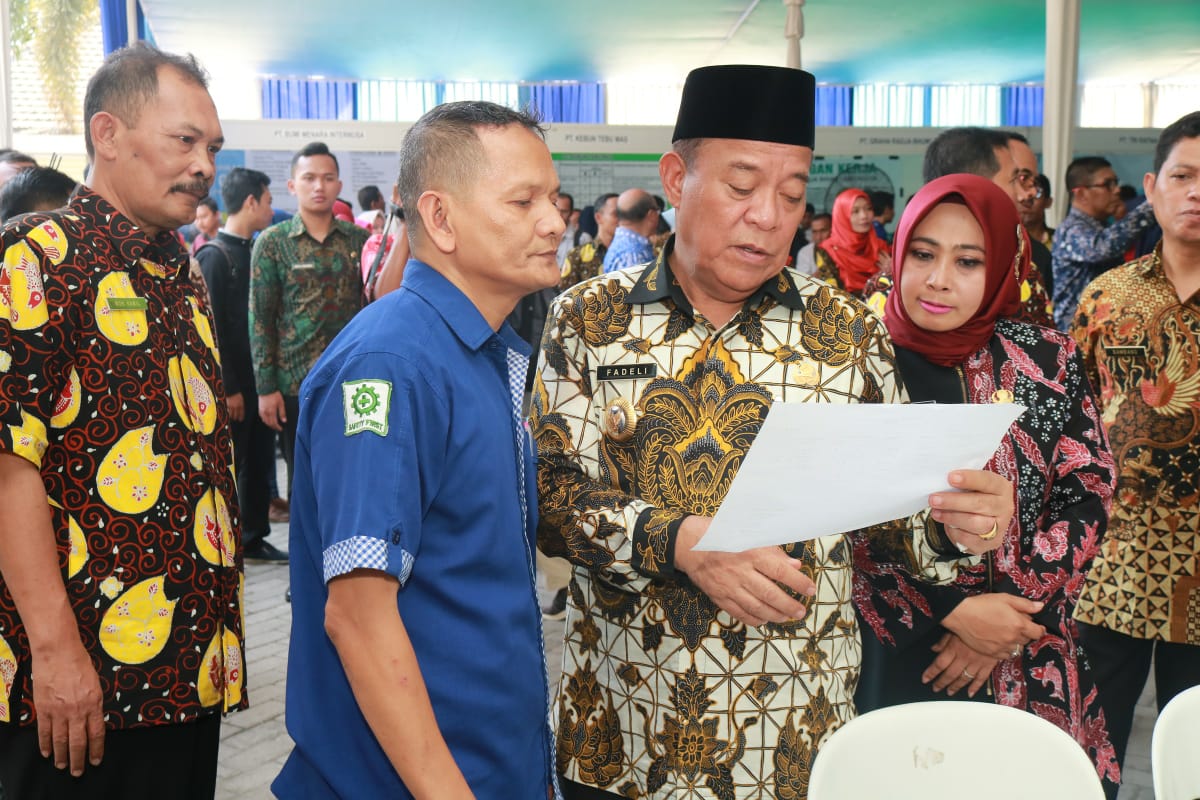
1084,247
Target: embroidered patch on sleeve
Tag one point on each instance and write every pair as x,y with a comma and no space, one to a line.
365,406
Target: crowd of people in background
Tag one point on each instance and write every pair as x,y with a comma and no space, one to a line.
478,377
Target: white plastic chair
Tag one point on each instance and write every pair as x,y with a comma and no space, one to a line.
1175,748
950,750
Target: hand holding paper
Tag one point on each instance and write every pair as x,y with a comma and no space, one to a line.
749,586
818,469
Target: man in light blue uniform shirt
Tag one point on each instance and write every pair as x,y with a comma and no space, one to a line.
417,666
637,220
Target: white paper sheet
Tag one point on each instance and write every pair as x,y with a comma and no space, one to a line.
817,469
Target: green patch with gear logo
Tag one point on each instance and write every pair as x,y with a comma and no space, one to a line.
365,406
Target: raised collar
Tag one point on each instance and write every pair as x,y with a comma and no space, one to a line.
658,283
456,309
1150,265
161,255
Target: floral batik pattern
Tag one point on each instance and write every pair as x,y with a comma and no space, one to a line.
1057,456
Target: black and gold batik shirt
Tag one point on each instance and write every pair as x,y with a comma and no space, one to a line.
1141,346
643,412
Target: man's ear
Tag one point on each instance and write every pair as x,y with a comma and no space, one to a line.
105,128
672,170
1149,182
434,208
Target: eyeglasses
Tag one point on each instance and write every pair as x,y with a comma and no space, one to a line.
1111,184
1040,193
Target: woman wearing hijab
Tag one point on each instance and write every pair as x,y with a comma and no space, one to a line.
853,253
1002,632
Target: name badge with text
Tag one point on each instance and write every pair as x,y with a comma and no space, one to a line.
632,372
1125,352
127,304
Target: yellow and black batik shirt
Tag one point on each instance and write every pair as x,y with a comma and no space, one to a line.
110,385
642,413
582,262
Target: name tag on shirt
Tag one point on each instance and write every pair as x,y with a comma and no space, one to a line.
1126,352
304,265
127,304
616,372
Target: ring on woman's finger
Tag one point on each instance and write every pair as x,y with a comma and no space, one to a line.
1016,651
987,537
967,675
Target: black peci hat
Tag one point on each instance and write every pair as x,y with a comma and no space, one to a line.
764,104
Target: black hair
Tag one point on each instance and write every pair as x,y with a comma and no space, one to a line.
1081,171
602,199
240,183
1043,183
368,196
881,201
128,79
10,156
964,150
1186,127
35,189
314,149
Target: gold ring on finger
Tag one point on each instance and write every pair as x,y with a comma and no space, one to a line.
987,537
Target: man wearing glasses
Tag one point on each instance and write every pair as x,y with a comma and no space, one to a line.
1084,244
1004,158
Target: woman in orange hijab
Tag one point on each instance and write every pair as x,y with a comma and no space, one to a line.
853,253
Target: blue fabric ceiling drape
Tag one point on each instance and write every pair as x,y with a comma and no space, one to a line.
835,105
295,98
1022,105
115,28
565,102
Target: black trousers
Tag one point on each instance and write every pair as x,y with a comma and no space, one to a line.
1121,664
165,762
291,408
578,791
254,454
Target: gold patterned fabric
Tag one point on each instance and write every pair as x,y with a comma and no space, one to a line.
1141,346
642,413
582,262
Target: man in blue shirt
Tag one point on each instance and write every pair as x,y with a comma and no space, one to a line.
637,221
416,666
1085,245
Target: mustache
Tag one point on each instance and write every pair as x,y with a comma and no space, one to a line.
199,187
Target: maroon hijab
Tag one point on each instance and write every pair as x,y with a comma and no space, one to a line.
1007,256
